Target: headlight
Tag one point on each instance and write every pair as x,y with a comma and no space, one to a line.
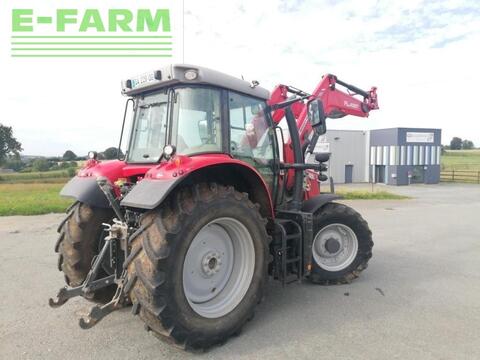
168,151
190,75
92,155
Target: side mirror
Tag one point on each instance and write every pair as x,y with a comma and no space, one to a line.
203,131
316,116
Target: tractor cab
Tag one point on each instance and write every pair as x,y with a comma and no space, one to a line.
189,110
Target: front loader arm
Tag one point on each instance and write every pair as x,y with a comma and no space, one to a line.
336,103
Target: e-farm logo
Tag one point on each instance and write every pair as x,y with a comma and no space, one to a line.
92,33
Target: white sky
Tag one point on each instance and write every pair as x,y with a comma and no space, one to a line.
423,56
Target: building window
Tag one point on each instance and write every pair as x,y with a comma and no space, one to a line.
402,155
421,158
427,155
415,155
434,155
372,155
379,155
385,155
438,155
409,155
393,155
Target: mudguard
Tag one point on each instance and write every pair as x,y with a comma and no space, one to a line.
86,190
315,203
148,194
161,180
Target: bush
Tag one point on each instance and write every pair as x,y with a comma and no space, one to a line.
71,172
40,165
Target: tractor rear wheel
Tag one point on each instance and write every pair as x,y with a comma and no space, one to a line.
198,265
342,245
81,235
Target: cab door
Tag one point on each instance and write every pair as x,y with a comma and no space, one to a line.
250,135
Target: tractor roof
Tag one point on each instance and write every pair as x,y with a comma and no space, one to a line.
189,74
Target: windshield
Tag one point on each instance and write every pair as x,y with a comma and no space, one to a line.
149,129
195,127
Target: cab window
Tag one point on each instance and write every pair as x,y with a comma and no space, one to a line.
250,136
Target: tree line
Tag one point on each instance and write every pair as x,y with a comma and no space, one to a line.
10,158
458,144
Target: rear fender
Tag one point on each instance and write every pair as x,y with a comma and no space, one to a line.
182,170
85,190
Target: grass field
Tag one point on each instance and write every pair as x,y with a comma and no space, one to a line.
44,198
31,199
44,176
461,160
369,195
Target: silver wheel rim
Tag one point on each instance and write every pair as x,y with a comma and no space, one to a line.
335,247
218,267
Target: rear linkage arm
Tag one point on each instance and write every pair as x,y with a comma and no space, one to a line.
117,238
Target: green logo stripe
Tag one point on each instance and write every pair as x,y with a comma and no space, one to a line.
93,55
96,49
93,37
89,43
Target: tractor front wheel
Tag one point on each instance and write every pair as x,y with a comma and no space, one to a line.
342,245
198,265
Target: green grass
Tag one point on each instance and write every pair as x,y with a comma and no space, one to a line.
461,160
368,195
34,176
32,199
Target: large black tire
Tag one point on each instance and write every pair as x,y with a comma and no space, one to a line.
78,242
155,265
334,213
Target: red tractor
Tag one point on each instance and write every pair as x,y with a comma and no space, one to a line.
212,197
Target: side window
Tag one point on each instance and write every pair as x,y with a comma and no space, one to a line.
250,137
249,132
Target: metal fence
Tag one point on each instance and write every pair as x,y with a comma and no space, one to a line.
467,176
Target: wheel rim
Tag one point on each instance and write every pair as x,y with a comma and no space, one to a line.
218,267
335,247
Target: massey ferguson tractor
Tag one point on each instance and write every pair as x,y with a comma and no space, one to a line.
213,196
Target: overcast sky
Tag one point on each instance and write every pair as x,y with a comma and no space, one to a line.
423,56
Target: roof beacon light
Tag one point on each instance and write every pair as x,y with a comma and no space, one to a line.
191,74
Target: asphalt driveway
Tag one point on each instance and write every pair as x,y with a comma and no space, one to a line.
419,298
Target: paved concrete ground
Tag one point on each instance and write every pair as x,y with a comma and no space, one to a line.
419,298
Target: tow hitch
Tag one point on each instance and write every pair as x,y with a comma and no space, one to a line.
115,245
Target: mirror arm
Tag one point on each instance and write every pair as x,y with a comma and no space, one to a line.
313,141
304,166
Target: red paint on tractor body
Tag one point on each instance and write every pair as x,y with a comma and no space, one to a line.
180,166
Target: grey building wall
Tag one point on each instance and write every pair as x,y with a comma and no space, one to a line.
348,148
400,156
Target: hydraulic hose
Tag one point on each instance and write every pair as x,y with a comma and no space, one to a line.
296,202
